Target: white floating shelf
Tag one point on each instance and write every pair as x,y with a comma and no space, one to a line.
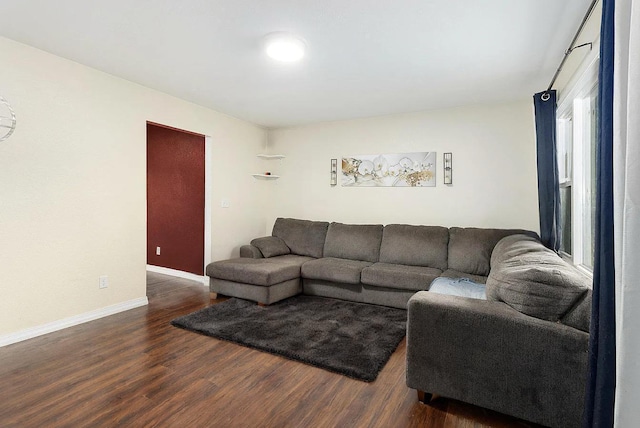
271,157
265,176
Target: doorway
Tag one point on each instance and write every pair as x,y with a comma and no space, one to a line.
175,200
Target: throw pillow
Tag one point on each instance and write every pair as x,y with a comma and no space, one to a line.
271,246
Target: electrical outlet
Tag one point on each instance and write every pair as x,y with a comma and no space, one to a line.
224,203
157,251
103,282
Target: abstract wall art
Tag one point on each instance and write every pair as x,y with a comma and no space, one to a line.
416,169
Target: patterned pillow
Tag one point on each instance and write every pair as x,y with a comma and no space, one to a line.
462,287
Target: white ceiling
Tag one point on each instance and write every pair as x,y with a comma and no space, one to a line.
365,57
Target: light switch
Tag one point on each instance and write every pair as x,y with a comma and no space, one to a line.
224,203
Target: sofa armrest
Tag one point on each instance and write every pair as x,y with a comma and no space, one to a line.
251,252
488,354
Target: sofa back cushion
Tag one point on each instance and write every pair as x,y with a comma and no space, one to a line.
354,241
303,237
512,246
415,245
470,248
580,315
539,284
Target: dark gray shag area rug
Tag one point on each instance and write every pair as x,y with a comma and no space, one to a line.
353,339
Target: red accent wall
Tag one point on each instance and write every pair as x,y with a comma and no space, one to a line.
175,199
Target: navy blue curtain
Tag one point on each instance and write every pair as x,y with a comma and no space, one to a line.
601,381
548,183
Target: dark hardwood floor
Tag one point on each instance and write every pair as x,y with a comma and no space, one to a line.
134,369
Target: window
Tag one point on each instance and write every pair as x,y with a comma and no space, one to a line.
564,145
577,135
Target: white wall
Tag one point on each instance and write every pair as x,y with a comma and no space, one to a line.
494,169
73,180
73,185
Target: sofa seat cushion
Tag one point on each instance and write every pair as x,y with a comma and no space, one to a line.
334,269
400,277
451,273
415,245
265,272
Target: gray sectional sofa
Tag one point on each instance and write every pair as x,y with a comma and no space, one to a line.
383,265
522,352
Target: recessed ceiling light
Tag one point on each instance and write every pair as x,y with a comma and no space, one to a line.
283,46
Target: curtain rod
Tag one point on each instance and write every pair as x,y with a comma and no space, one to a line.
571,46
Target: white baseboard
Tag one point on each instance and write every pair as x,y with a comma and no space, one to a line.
40,330
179,274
